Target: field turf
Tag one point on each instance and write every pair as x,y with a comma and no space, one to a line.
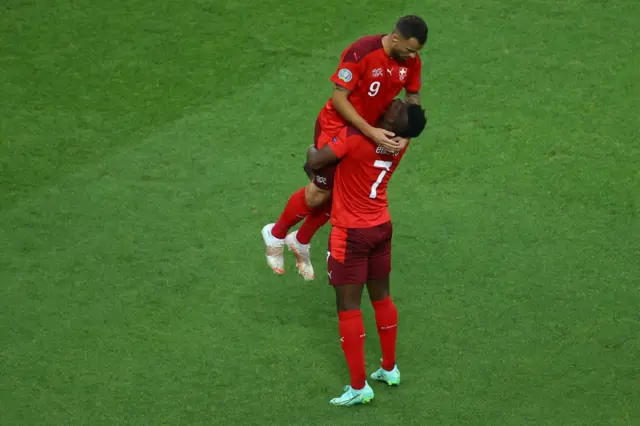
143,144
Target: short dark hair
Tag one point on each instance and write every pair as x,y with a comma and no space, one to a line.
415,124
412,26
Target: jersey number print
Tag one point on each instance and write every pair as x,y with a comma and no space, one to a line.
379,164
374,88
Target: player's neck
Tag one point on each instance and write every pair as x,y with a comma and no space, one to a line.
386,44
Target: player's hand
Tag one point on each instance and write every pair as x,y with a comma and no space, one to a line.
383,138
403,143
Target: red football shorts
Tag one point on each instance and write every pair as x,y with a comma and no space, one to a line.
359,254
323,178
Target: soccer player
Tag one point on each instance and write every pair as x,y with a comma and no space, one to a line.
371,73
360,241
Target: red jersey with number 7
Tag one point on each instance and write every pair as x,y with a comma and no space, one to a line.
374,79
362,176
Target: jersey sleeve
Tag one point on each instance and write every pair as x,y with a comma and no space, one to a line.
349,70
344,145
339,147
414,82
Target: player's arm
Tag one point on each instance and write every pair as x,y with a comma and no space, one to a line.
319,158
382,137
345,80
412,97
340,99
329,154
414,82
412,92
308,170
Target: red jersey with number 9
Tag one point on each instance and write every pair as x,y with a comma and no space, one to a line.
362,176
374,79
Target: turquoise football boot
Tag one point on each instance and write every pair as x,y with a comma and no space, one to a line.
354,397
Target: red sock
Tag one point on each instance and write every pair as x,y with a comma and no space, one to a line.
316,220
352,338
387,322
295,210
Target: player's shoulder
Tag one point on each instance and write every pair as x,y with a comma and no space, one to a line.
358,142
351,138
352,131
415,61
353,134
363,47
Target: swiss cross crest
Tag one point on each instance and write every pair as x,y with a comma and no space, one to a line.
402,73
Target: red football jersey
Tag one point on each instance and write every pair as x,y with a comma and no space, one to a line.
362,176
374,80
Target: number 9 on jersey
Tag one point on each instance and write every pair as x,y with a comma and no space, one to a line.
374,88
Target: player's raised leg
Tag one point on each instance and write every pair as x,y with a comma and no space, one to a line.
303,255
274,249
294,211
299,242
317,197
274,234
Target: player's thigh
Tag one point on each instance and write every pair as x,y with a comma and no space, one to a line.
323,178
347,258
379,262
321,137
316,196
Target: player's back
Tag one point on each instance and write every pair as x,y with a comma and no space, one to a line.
373,78
362,177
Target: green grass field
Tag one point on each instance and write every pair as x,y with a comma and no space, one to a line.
143,144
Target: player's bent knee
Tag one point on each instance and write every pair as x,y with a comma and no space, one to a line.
316,196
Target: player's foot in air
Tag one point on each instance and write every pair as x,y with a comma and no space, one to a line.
353,397
303,256
389,377
275,250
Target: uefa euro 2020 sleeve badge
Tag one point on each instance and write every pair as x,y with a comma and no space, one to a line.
345,75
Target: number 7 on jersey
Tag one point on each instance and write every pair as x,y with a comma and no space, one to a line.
379,164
